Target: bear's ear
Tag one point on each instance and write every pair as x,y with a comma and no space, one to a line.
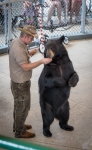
61,39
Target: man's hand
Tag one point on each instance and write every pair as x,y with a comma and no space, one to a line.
32,52
46,60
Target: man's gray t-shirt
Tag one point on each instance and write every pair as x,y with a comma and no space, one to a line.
18,55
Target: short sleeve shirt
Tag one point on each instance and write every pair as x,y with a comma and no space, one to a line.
18,55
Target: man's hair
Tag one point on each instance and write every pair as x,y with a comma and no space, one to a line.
22,34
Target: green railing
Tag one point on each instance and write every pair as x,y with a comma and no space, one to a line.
16,144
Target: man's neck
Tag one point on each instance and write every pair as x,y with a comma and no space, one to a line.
23,40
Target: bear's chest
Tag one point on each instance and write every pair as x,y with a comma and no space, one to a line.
63,71
66,70
54,70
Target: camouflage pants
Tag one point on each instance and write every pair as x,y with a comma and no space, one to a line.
21,94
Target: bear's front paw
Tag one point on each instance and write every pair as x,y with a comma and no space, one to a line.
73,80
47,133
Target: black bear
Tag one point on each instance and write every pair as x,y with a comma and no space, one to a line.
55,83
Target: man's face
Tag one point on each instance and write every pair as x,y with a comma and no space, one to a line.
29,39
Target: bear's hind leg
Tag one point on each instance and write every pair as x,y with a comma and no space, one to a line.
46,129
65,126
65,117
48,117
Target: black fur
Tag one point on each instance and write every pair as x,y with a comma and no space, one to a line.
55,83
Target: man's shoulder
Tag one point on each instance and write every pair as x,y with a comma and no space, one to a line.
14,41
15,45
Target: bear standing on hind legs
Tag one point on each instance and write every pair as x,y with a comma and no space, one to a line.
55,83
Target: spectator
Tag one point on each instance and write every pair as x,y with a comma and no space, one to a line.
54,4
75,7
31,12
28,12
1,14
1,17
20,74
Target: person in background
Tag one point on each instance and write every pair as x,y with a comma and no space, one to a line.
30,12
75,7
54,4
1,14
20,74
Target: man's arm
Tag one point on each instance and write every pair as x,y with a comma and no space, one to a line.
29,66
32,52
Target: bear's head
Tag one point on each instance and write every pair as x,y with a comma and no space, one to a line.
56,50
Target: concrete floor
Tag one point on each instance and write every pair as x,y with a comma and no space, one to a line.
80,100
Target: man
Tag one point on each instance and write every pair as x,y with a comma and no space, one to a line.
20,74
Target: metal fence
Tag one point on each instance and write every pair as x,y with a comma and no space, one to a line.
76,19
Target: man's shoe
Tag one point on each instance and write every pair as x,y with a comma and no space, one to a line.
26,135
27,127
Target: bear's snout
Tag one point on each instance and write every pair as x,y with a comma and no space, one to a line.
49,53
